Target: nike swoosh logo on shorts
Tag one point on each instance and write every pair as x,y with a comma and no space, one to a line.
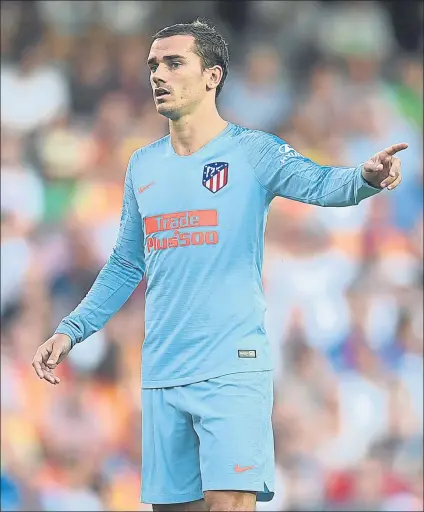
239,469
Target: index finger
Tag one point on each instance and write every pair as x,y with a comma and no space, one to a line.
395,148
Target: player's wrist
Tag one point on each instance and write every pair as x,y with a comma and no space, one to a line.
63,336
367,178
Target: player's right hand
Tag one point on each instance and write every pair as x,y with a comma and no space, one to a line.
51,353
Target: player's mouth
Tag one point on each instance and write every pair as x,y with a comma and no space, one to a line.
160,93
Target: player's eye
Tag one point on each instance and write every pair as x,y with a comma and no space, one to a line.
175,65
153,68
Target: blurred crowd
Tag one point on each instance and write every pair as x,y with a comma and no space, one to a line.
337,80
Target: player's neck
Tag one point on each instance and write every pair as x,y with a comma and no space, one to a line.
192,132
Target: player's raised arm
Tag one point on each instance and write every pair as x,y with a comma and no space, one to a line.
285,172
115,283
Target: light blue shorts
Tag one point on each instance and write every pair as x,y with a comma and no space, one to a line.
211,435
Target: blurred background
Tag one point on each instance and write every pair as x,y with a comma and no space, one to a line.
337,80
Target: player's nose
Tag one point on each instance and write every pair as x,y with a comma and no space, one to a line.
158,78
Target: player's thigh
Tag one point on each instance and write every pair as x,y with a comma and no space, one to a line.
192,506
233,422
170,450
230,501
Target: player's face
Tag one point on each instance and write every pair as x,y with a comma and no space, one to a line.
179,84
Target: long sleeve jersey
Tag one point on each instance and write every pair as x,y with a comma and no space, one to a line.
194,226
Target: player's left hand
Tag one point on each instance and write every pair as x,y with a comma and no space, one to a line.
384,169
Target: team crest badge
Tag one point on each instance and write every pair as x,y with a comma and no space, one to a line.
215,176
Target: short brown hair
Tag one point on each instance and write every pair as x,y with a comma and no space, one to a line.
210,45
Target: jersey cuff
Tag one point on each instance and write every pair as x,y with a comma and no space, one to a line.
363,188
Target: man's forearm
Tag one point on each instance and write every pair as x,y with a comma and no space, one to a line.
326,186
354,190
114,285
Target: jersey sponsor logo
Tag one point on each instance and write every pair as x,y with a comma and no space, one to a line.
177,221
215,176
182,240
287,152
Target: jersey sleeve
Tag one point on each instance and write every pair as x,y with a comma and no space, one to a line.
284,172
118,278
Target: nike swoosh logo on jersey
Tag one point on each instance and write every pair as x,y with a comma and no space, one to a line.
142,189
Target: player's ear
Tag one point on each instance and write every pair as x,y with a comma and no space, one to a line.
214,77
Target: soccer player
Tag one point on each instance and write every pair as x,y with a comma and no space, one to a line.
193,221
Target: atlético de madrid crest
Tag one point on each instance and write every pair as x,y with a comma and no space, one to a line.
215,176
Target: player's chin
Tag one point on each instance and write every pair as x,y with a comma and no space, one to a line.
166,110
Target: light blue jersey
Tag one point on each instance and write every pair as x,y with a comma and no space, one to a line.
194,225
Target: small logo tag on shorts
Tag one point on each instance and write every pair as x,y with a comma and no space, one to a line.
250,354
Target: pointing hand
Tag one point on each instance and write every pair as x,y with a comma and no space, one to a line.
384,169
